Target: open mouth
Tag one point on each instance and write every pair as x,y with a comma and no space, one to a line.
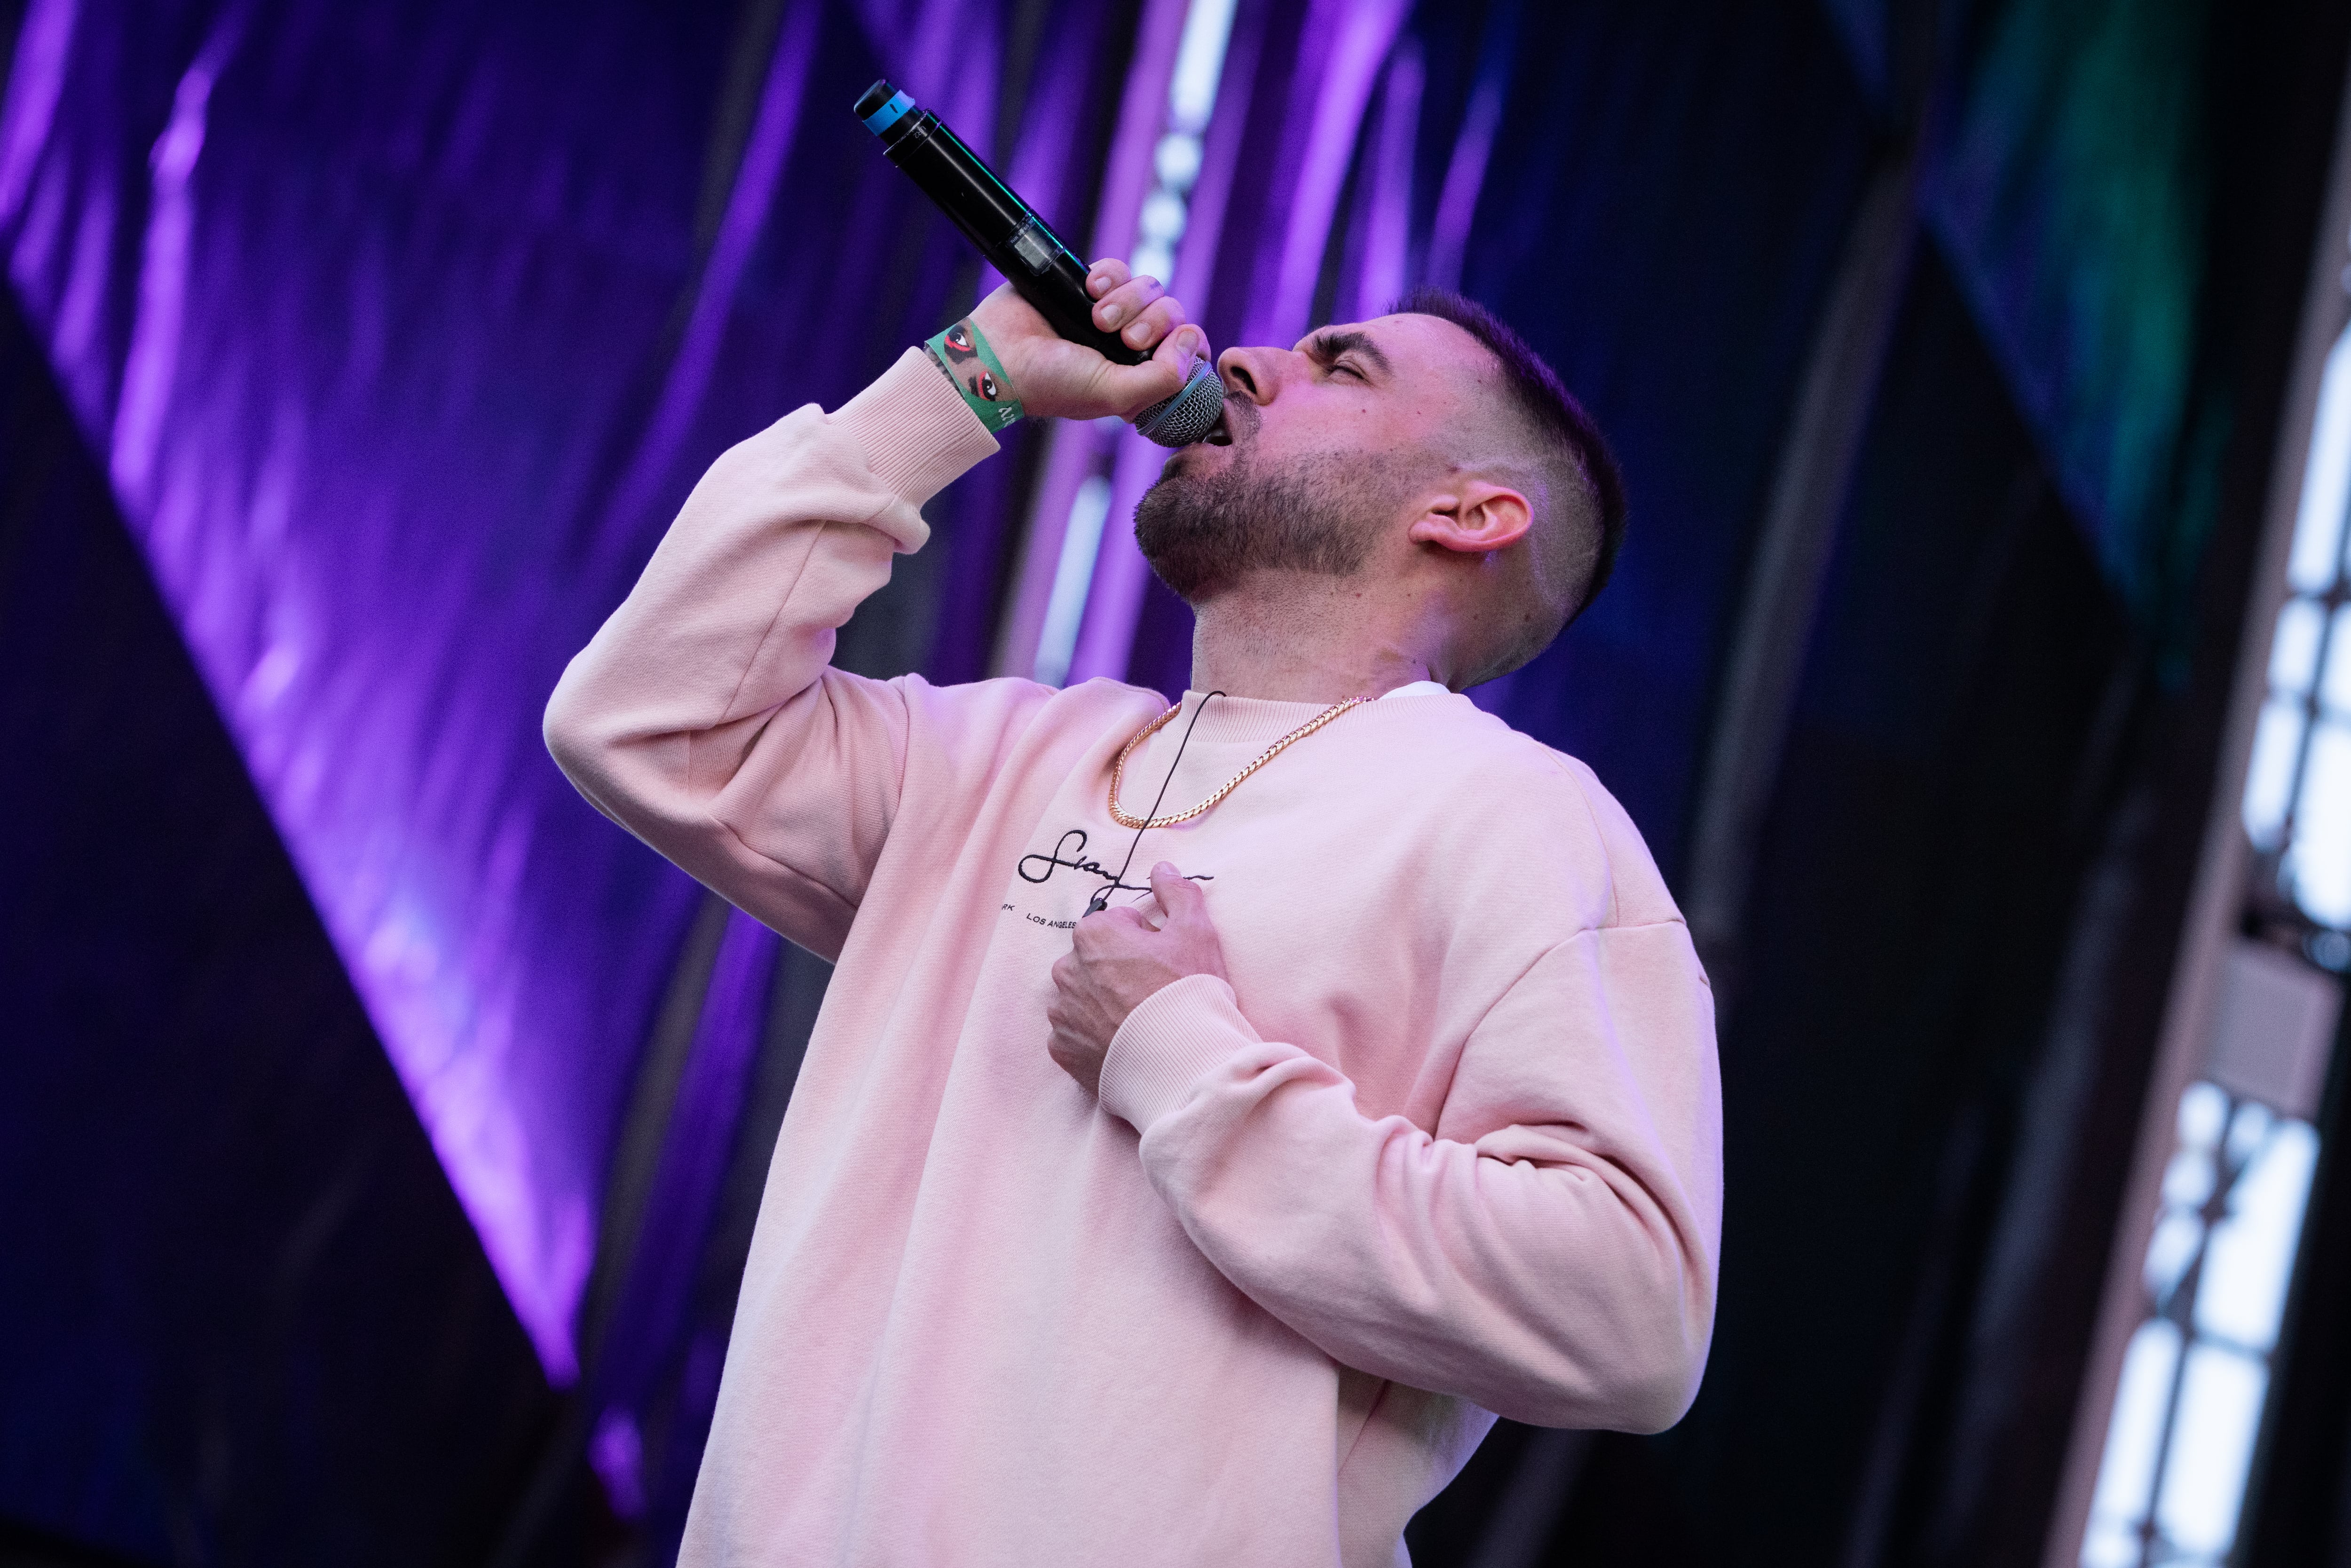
1232,413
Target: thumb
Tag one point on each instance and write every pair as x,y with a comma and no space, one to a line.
1178,894
1160,377
1180,350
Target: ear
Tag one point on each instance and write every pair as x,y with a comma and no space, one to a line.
1479,518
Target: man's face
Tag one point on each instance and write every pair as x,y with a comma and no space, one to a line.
1332,444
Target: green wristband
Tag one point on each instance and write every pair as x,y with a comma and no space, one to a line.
963,355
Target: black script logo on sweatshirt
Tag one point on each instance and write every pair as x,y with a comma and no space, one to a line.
1070,854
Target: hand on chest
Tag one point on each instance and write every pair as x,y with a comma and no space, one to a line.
1328,943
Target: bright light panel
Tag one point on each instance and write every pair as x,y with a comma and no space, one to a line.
2319,862
2180,1437
2211,1448
2248,1262
1073,576
2135,1431
2269,781
1199,64
2294,652
2326,480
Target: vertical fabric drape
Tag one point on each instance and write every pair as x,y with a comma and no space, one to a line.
404,328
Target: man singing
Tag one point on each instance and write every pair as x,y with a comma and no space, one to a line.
1217,1116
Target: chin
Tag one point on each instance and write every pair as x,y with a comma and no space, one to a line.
1200,457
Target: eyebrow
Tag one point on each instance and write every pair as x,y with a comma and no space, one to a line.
1326,347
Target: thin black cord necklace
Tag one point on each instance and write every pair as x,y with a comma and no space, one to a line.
1100,900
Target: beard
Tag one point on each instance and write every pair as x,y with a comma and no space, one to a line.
1315,514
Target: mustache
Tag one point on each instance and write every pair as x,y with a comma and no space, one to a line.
1240,417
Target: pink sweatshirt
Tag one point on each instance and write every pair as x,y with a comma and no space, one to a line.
1448,1144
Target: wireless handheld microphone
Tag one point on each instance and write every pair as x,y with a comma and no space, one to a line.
1024,247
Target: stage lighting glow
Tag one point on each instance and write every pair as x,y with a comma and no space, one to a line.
2219,1412
2318,551
1080,542
2170,1252
2190,1179
1199,64
2249,1261
2133,1443
2220,1260
2268,779
2318,864
2188,1408
2298,799
1163,217
1176,160
2294,652
2334,686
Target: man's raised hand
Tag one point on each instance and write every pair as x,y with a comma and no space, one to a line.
1117,958
1056,379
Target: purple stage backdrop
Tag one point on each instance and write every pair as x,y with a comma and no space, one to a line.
402,338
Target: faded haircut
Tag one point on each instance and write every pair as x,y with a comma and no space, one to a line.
1566,444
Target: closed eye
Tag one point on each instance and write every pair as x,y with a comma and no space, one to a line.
1351,351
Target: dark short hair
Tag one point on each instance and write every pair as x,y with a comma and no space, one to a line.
1540,399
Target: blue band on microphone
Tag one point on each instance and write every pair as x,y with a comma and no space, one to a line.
889,114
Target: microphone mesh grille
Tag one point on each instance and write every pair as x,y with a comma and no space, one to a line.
1190,415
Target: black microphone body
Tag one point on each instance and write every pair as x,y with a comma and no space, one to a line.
1023,246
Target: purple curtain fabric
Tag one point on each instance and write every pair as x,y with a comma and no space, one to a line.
365,477
243,1318
650,1312
403,328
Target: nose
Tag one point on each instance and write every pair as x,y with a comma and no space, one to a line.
1256,374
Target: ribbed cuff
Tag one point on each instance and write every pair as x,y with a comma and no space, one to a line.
1167,1045
917,431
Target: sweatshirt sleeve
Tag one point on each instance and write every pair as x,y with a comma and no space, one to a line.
704,717
1549,1254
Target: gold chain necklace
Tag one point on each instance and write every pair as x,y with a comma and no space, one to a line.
1118,769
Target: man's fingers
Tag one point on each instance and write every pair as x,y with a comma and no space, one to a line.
1125,305
1180,350
1106,274
1103,925
1155,322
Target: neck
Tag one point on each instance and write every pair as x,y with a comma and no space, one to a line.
1301,639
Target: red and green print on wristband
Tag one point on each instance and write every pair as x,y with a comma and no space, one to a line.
972,366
